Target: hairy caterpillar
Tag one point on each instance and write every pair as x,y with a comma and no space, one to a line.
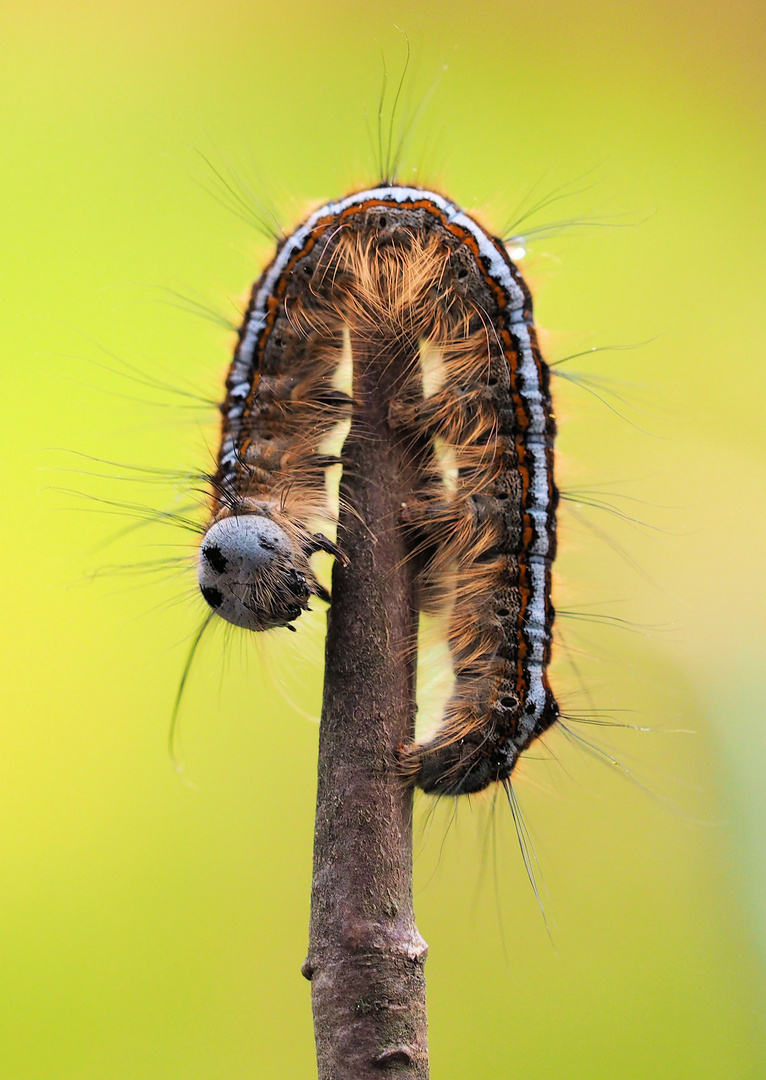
405,266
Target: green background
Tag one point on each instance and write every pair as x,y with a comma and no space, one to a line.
154,925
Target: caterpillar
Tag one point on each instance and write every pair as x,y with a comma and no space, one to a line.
406,267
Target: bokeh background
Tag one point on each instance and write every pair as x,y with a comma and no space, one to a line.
153,924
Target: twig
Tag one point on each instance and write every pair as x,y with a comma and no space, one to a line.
366,956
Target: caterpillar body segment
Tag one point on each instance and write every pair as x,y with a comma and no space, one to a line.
405,268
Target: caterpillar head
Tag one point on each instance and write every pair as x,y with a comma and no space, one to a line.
252,574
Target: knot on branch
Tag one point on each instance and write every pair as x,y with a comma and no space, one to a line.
396,1055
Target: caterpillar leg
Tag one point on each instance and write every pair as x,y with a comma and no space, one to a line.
463,767
319,542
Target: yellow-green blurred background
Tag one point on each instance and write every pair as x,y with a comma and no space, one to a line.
153,926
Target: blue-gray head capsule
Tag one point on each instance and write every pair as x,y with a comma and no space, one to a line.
251,574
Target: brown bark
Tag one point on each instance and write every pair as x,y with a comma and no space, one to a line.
366,956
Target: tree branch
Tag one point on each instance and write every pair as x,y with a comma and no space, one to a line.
366,956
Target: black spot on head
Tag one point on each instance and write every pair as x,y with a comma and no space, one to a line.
215,557
267,545
213,596
530,708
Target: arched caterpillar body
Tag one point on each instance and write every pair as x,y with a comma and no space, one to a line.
407,267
